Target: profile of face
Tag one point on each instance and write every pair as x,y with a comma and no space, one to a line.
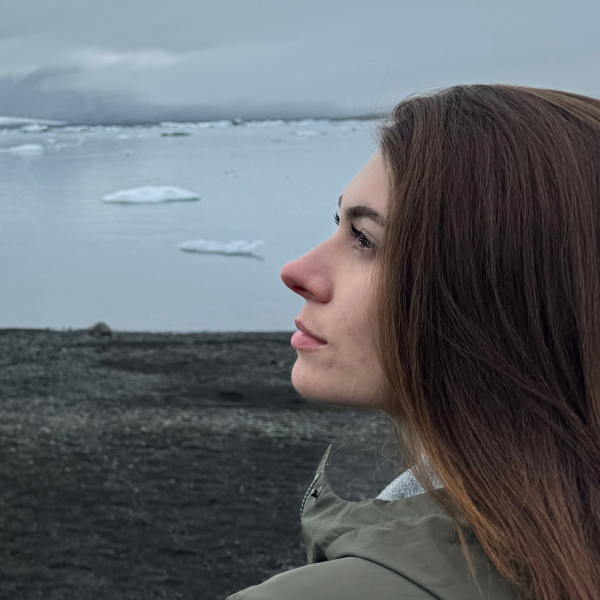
335,280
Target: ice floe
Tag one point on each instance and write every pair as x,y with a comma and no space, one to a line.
80,141
35,128
169,127
24,121
236,248
75,128
151,194
175,134
266,123
304,122
25,149
305,133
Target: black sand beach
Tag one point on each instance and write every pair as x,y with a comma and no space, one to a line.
158,465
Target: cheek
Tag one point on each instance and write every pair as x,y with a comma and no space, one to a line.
357,315
354,350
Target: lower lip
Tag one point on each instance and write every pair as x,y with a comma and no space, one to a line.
302,341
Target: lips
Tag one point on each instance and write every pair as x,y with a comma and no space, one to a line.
307,331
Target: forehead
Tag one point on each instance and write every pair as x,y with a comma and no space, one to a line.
370,186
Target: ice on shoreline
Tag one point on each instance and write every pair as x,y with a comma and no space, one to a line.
151,194
237,248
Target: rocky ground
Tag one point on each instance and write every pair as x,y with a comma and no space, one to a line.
156,465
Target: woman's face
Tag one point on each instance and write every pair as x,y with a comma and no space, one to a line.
335,280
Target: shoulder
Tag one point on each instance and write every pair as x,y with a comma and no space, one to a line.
348,578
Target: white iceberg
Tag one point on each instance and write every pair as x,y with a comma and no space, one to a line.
304,133
237,248
35,128
25,149
266,123
304,122
171,128
151,194
21,121
175,125
75,128
57,146
175,134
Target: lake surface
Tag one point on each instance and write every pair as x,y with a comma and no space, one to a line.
68,259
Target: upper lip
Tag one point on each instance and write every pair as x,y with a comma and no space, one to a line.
307,331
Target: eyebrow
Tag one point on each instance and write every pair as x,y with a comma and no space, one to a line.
355,212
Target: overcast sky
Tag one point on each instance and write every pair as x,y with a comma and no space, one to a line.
126,61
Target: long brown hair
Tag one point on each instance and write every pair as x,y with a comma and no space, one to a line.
488,326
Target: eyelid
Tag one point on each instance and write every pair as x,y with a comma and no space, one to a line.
363,240
366,245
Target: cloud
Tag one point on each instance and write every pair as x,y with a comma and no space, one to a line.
58,94
231,58
98,58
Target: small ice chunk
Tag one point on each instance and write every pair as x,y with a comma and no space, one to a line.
151,194
75,128
304,122
34,128
266,123
175,129
175,125
237,248
25,149
22,121
175,134
80,141
304,133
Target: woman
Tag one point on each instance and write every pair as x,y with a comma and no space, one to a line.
461,295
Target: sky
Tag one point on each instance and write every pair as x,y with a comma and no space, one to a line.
135,61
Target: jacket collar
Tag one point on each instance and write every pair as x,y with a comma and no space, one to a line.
412,536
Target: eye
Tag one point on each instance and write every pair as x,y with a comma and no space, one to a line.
366,245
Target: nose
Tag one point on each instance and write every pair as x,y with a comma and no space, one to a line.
307,277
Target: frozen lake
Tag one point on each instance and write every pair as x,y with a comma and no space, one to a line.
68,258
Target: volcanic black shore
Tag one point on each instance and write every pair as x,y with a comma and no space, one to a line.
163,465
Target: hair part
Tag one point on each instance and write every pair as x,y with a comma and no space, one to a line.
488,322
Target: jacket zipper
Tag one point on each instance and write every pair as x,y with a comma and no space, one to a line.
310,487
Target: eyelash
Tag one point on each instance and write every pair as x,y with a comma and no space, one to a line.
366,244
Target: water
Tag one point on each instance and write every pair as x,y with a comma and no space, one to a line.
67,259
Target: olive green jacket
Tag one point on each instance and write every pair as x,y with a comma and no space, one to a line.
380,550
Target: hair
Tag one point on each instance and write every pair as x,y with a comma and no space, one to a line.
488,322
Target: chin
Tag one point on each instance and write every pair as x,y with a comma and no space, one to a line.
308,385
325,391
